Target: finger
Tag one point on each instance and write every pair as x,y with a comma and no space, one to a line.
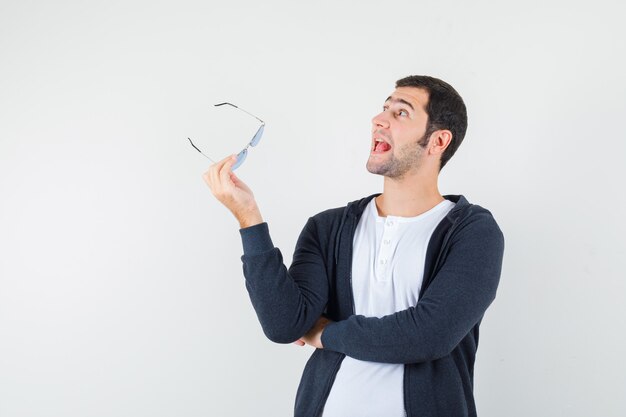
235,179
226,169
212,175
222,168
299,343
208,178
218,165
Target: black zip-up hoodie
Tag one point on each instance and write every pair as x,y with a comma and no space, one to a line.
436,339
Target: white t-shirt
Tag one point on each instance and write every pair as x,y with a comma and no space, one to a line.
387,273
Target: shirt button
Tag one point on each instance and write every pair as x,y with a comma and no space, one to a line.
390,223
383,261
386,241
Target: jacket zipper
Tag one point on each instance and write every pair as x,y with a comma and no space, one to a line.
406,390
350,265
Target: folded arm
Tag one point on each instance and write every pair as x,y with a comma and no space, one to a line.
455,301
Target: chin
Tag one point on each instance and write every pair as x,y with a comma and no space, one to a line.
375,168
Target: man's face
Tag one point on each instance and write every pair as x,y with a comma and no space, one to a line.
397,133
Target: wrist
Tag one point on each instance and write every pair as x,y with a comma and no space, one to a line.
249,218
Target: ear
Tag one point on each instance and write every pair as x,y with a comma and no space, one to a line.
439,141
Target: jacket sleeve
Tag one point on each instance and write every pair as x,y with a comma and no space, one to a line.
287,302
455,301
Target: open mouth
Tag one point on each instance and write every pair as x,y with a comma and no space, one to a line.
380,146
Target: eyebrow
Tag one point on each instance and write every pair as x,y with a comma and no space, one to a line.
399,100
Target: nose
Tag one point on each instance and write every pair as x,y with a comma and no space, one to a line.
380,120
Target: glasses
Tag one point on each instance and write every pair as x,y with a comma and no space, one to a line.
241,156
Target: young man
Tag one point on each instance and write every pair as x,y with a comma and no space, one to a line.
390,289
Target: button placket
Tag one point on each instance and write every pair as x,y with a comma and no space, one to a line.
384,252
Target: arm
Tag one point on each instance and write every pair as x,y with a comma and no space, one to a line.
287,302
455,301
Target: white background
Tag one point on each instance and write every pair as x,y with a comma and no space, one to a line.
121,290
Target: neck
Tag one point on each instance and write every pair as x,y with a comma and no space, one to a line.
409,196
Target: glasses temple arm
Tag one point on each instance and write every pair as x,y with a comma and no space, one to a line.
237,107
196,148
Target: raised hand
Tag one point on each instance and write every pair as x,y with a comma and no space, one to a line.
233,193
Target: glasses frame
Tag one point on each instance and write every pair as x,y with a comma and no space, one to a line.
241,156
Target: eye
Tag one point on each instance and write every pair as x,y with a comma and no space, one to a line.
403,112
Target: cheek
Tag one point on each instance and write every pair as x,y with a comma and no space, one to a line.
405,138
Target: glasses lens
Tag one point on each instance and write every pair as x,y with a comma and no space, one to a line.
240,158
255,140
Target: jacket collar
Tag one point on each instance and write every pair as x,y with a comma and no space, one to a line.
356,208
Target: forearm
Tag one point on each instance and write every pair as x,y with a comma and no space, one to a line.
409,336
